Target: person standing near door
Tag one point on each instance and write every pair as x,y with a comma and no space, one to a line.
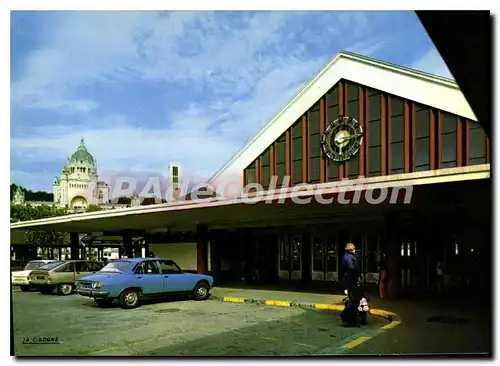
350,281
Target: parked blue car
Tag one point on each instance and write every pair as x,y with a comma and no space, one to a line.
134,279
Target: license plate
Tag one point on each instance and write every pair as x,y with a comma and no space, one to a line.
40,277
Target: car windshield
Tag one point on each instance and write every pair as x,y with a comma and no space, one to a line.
116,266
49,266
34,265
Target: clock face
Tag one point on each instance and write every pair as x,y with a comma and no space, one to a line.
342,139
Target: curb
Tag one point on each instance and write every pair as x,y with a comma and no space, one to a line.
394,319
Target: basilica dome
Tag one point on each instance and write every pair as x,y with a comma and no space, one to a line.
81,156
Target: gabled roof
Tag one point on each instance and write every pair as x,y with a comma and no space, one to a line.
423,88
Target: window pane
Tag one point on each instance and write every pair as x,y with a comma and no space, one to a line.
315,107
315,146
477,161
397,106
422,123
374,107
397,171
422,151
251,175
374,133
280,169
282,138
352,92
353,167
297,129
352,109
314,122
397,129
314,168
265,175
449,164
266,157
422,168
333,170
333,113
297,149
297,172
281,152
397,155
477,144
449,147
374,159
332,98
448,123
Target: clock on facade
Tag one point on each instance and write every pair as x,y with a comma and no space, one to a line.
342,138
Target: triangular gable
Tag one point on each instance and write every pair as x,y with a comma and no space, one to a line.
422,88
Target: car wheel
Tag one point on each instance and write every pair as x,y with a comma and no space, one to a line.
129,299
103,303
46,290
201,291
64,289
25,288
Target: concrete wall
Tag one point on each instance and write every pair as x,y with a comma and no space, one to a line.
184,254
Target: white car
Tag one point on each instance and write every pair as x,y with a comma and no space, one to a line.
21,278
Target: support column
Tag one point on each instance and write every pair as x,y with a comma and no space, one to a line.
393,257
146,244
202,248
128,245
138,249
215,253
74,242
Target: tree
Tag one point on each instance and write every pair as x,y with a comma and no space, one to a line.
43,239
124,200
94,208
30,195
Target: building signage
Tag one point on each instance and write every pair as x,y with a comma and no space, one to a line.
342,139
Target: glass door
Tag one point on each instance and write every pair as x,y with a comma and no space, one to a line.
284,257
324,258
296,257
290,257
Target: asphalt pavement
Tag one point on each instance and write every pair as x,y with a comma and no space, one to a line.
176,328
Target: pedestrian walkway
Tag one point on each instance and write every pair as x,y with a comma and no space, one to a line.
427,326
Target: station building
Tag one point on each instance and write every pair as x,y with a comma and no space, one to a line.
399,151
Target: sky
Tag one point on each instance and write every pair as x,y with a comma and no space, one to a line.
148,88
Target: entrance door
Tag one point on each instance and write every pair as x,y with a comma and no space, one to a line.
370,257
324,258
290,254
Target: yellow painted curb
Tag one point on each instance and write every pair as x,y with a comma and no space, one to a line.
277,303
233,299
392,324
329,307
356,342
382,313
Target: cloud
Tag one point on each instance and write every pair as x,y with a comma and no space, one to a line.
432,63
206,83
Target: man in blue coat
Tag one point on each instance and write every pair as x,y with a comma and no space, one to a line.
350,281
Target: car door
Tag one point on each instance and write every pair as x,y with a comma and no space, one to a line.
173,278
149,278
65,273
